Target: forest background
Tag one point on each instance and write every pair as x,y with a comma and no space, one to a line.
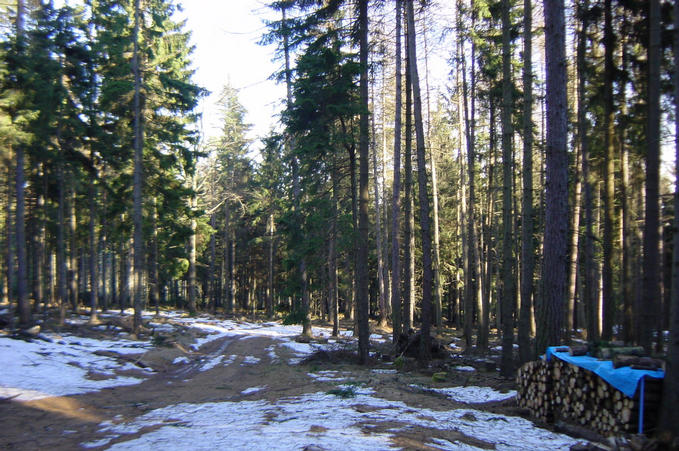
524,197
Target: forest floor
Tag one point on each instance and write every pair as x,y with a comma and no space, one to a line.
239,383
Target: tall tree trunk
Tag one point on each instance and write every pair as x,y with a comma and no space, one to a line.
670,414
396,199
362,304
651,281
462,114
269,276
574,247
153,263
438,286
212,282
297,192
423,196
228,279
508,290
332,252
487,291
138,168
409,232
23,303
589,280
62,270
526,352
609,177
9,248
472,287
192,258
626,294
382,283
94,254
73,249
40,259
555,262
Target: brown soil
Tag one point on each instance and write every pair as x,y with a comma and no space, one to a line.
66,422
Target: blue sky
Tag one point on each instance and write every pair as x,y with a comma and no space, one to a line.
225,33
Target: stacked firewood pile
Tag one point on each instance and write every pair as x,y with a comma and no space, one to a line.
557,390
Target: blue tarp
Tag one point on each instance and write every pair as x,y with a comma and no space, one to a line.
624,378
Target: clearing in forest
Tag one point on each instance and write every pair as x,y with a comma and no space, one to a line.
210,383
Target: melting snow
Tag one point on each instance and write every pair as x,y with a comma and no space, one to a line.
39,369
471,394
326,421
251,390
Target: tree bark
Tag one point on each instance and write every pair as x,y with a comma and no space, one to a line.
382,284
23,304
270,274
651,280
526,352
192,258
669,418
364,198
423,196
137,175
590,289
153,264
228,264
73,249
609,177
396,199
409,232
555,262
212,284
507,299
62,293
94,254
332,252
302,266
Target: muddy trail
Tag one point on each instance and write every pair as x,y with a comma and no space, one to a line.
241,384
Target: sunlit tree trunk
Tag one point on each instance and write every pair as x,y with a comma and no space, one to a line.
154,282
609,177
527,229
409,226
192,259
382,284
508,287
23,303
138,168
396,199
269,276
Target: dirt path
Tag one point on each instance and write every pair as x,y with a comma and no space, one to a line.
235,369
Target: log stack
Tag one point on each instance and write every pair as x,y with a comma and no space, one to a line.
557,390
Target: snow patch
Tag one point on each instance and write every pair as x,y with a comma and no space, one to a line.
34,370
471,394
384,371
250,360
251,390
250,425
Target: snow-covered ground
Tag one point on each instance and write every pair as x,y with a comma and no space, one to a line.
69,365
326,421
471,394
